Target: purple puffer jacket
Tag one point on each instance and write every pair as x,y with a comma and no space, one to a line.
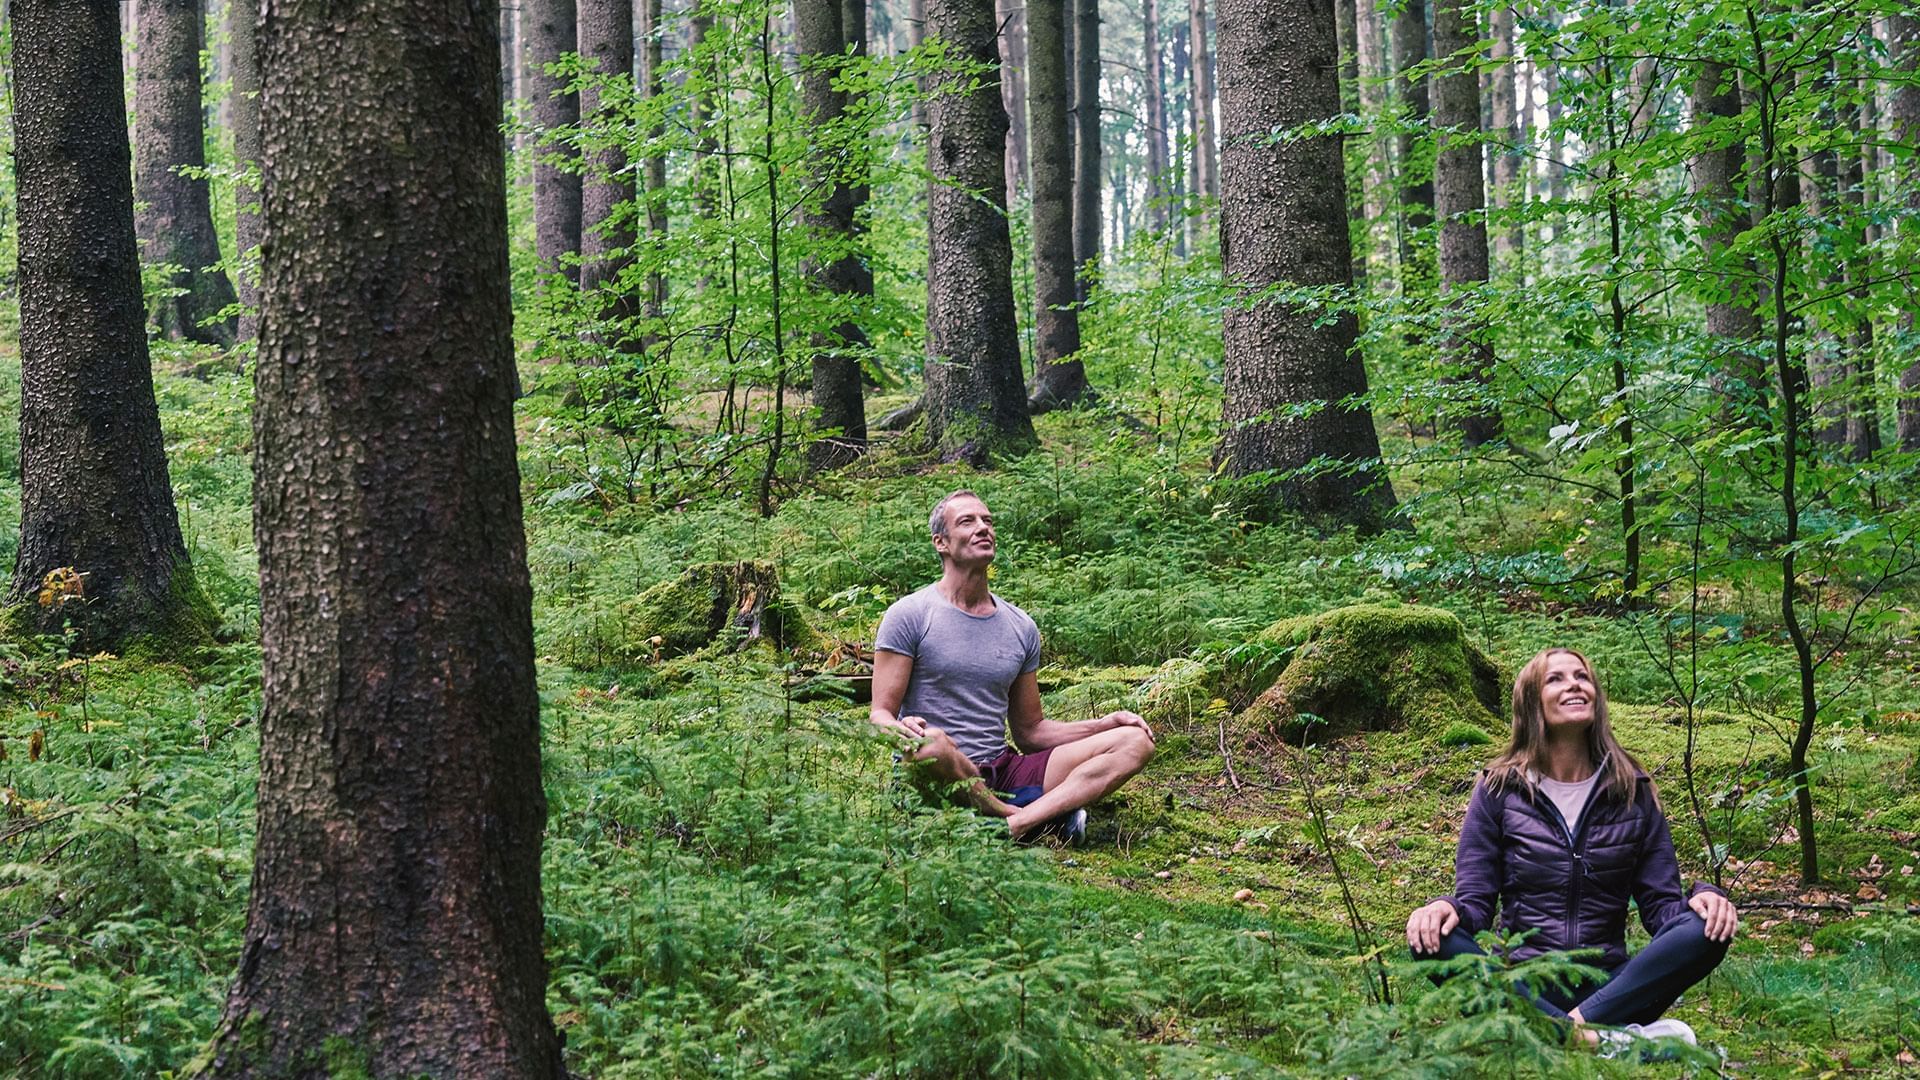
1572,891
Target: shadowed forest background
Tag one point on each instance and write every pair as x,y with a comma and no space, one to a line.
1321,360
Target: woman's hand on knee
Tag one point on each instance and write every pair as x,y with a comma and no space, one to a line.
1718,911
1429,925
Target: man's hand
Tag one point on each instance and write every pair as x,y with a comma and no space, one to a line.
1428,925
1722,919
1120,718
913,727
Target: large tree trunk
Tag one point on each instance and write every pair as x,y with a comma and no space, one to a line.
1206,161
1013,88
175,224
1409,32
975,404
1459,197
1058,373
1087,174
1903,115
94,492
245,95
556,185
836,269
1283,222
395,912
1507,190
1158,189
1719,189
605,32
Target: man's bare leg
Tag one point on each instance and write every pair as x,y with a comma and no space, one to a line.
938,764
1082,772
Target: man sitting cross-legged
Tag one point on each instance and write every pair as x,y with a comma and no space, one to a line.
953,669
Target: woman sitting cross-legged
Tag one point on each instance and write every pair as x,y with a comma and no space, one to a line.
1563,829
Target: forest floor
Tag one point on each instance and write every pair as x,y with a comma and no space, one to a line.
739,883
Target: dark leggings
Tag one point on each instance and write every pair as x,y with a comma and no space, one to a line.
1636,992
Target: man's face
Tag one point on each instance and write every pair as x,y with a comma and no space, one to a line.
969,539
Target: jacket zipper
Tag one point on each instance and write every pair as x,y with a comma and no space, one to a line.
1574,875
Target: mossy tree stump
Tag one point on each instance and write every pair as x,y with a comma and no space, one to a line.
737,603
1370,667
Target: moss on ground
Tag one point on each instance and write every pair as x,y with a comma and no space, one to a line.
699,608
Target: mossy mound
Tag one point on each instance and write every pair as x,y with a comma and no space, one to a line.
1370,667
734,604
1377,667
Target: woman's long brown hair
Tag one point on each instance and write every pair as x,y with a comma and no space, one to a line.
1526,751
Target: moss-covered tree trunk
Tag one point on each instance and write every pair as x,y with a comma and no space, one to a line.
175,222
552,28
1058,373
394,926
1283,220
975,403
1460,202
94,492
833,266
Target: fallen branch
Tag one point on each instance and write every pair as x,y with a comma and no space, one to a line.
1226,755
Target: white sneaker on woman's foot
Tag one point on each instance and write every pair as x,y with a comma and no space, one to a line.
1639,1040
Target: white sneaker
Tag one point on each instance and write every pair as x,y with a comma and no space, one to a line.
1664,1029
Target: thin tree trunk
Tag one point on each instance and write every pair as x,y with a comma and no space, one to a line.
654,175
1283,222
1346,31
975,405
556,183
605,33
1508,237
396,884
1013,89
1206,161
1416,169
1861,430
175,222
1058,373
917,36
1181,122
1903,124
246,157
1087,173
836,266
1158,188
1459,197
94,493
1371,61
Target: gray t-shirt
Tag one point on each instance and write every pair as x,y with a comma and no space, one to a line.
1570,798
963,665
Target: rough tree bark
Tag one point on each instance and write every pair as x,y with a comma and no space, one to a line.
1283,220
1719,190
1206,160
1903,114
1346,17
1508,240
1158,188
835,266
1087,174
604,30
175,224
1459,197
245,99
1370,58
1058,375
652,33
975,405
1409,33
395,911
552,32
94,491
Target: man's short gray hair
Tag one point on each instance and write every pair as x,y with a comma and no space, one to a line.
937,521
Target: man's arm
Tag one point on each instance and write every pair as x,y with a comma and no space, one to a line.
891,672
1033,732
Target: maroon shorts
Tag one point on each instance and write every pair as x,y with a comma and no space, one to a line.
1015,770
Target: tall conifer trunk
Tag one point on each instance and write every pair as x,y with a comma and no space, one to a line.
1903,114
175,222
1409,31
1206,160
94,491
836,268
975,405
605,34
556,185
1719,190
394,926
245,113
1058,373
1283,222
1459,196
1087,174
1153,72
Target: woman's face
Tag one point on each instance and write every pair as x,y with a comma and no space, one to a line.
1567,692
